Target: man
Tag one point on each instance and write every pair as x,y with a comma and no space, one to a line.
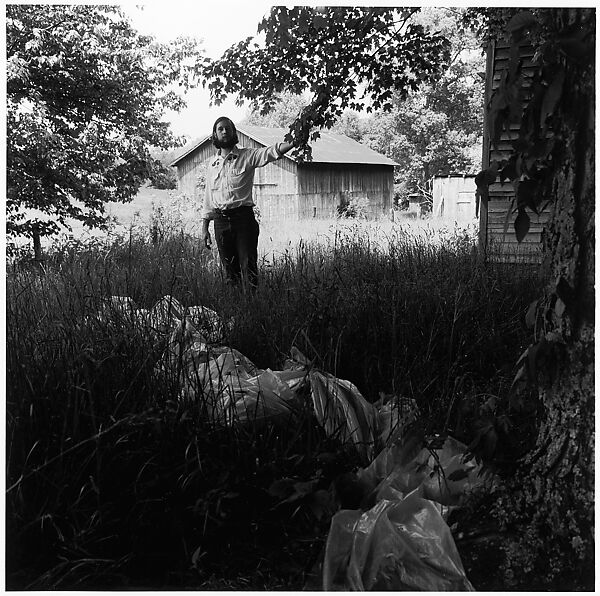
228,201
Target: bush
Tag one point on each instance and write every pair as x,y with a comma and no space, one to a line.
357,207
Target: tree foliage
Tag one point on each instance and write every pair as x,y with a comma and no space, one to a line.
345,57
281,114
85,99
434,130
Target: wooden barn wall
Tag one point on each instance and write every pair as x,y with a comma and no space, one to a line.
284,190
497,222
322,188
275,185
454,198
189,168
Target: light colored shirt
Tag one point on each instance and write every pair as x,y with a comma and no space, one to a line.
229,179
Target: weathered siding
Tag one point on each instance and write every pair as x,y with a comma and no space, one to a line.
189,169
454,197
286,190
275,186
500,244
325,187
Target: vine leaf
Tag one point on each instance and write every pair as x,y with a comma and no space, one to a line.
526,192
521,225
531,315
520,22
458,475
552,95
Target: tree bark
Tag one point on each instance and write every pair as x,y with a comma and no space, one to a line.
37,247
550,502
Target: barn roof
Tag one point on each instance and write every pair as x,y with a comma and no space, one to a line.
329,148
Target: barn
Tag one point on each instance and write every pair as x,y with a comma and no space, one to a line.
497,217
342,170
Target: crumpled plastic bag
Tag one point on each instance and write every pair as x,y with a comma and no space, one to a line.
396,545
343,411
443,474
402,541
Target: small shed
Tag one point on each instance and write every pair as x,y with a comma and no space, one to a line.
496,222
342,170
415,205
454,198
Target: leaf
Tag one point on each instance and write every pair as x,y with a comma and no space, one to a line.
321,503
196,556
521,225
498,111
510,171
531,315
301,489
486,177
458,475
553,94
319,21
504,424
522,20
535,350
520,377
490,441
281,488
526,194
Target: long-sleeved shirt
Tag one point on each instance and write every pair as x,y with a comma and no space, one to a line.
229,179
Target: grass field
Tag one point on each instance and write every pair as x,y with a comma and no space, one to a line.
173,212
115,482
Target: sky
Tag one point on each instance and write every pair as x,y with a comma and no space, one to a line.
219,25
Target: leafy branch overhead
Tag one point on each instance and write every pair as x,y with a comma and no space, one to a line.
532,103
343,56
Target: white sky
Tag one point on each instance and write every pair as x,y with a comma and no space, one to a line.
219,25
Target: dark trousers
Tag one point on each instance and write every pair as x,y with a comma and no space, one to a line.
236,235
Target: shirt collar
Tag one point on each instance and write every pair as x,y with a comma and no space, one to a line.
232,154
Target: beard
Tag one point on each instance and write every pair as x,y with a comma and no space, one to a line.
228,144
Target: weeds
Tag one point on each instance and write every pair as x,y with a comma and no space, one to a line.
115,482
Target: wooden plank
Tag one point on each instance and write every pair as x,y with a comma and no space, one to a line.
534,220
503,51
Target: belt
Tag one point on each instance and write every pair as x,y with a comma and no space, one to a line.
233,212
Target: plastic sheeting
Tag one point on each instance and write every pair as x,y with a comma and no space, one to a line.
401,540
233,390
400,544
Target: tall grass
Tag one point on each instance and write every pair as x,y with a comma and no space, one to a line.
113,481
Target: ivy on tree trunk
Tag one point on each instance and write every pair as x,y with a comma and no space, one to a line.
548,506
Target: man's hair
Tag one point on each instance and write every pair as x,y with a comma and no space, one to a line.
215,142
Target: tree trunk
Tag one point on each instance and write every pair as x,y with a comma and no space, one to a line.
37,247
550,503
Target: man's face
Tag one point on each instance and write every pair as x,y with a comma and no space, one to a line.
224,134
